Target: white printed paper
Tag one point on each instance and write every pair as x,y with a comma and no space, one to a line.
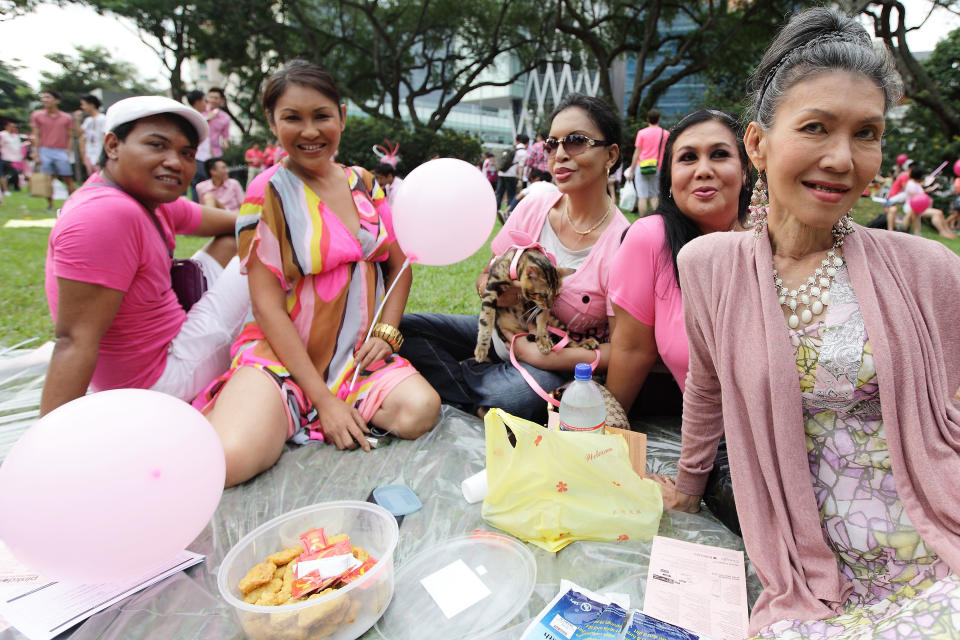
697,587
41,608
455,588
328,567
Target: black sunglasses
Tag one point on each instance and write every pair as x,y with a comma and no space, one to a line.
574,144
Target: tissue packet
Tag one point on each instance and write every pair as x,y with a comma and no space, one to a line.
574,615
644,627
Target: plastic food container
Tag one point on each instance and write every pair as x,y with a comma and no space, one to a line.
503,574
342,615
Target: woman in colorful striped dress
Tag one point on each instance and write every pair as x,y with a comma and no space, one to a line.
316,240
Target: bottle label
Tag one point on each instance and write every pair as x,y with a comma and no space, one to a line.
565,427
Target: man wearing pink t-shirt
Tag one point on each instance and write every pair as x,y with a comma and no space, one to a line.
52,132
118,323
218,121
648,147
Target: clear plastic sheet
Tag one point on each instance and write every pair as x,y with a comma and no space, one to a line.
188,606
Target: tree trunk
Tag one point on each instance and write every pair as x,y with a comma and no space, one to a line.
917,84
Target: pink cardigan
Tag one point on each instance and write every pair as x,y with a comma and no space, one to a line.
743,381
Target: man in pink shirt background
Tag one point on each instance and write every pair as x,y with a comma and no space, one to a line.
219,122
52,132
649,144
220,191
254,159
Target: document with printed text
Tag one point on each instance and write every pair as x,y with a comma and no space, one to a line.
697,587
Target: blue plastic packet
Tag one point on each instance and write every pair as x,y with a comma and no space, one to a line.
606,627
572,615
644,627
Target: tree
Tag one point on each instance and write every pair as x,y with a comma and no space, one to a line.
387,56
169,27
15,94
890,25
921,134
10,9
90,69
671,40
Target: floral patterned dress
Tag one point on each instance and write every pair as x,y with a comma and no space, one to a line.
902,590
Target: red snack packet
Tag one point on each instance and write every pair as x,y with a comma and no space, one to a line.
341,548
313,540
350,576
308,584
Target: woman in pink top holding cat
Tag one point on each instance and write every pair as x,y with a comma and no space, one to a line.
827,354
581,227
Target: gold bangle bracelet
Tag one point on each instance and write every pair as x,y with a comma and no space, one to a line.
389,334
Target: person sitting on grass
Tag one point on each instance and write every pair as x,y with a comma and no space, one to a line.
117,321
826,354
220,191
578,224
953,220
914,188
540,182
317,241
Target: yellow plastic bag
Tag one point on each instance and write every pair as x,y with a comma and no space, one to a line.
556,487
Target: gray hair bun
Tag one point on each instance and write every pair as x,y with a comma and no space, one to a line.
816,41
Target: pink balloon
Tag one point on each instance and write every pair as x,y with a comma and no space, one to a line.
902,158
110,485
920,203
443,212
956,168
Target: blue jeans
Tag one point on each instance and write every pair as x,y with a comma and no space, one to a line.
506,187
441,347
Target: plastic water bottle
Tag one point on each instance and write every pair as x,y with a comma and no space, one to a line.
582,407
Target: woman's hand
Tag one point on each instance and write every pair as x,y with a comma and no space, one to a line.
673,499
372,350
527,351
342,424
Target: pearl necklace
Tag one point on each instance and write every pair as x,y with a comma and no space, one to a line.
815,294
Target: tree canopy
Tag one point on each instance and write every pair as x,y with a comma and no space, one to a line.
922,134
91,68
14,94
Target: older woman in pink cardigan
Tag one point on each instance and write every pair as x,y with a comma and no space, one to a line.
828,354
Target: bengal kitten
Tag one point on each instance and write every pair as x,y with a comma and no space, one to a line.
540,283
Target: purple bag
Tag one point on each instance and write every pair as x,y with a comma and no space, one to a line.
188,281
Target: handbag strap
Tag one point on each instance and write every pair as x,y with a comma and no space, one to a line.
152,215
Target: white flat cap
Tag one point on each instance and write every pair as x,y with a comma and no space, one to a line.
130,109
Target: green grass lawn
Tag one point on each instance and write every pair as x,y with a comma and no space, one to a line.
23,305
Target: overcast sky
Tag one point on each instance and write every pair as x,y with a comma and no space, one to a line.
27,39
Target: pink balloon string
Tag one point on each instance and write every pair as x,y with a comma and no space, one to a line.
376,318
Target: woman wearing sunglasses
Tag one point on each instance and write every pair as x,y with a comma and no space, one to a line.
704,189
580,226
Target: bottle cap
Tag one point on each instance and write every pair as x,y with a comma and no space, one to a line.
582,371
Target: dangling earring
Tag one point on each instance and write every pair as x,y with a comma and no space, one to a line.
843,227
759,206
